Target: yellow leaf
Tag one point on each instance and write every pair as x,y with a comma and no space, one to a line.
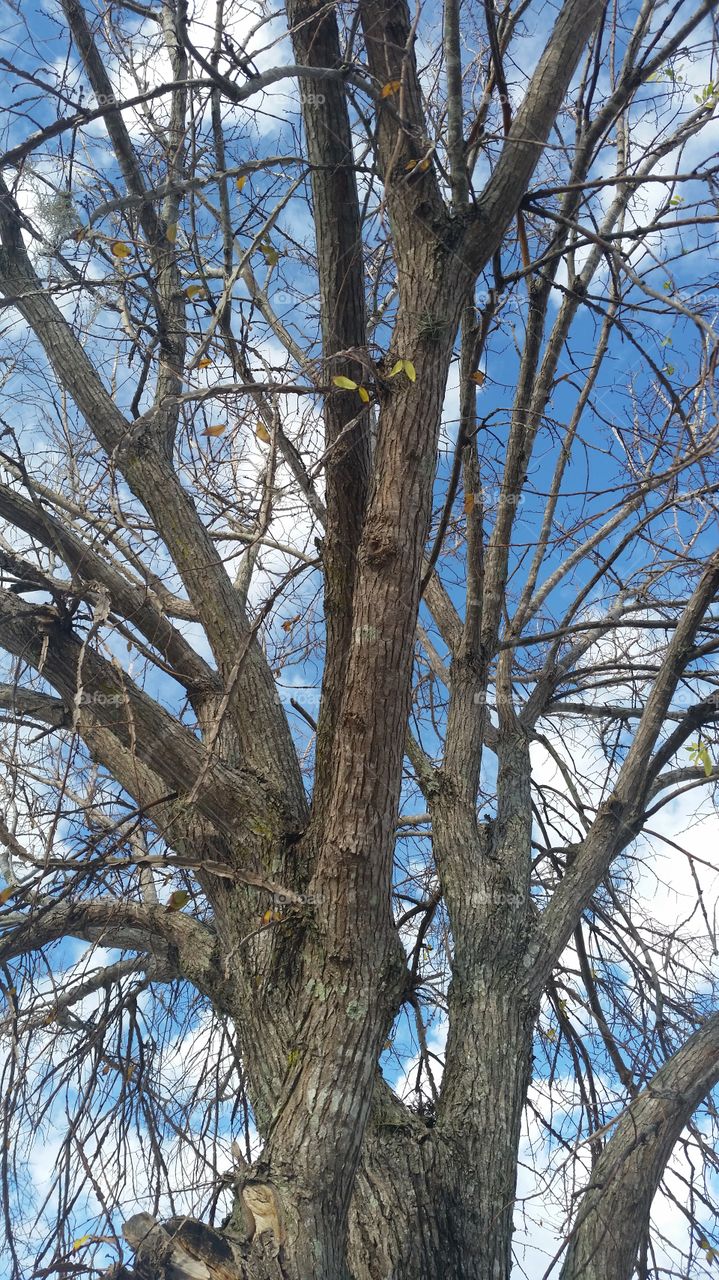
468,503
392,86
130,1070
6,894
215,430
404,366
262,433
178,899
704,1243
81,1240
411,164
120,250
269,253
194,291
477,377
345,383
551,1033
171,233
240,182
363,394
204,363
424,165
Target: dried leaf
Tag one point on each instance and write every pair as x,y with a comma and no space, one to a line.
240,182
194,291
171,233
468,503
204,363
6,894
262,433
477,378
289,623
119,249
215,430
392,86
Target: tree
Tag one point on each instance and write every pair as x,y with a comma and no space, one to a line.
232,471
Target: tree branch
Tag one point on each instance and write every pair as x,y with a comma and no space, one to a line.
614,1211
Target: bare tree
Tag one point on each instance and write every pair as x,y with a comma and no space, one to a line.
359,568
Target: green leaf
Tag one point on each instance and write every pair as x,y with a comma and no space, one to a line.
699,755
